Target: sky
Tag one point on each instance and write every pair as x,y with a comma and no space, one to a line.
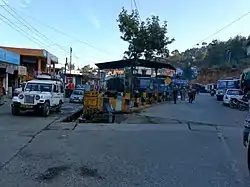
90,26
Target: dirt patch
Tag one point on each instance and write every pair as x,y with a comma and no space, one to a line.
85,171
51,173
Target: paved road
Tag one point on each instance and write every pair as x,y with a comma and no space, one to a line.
17,131
167,145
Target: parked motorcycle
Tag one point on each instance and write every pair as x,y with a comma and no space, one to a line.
243,105
246,136
233,103
212,92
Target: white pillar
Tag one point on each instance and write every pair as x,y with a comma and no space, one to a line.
6,83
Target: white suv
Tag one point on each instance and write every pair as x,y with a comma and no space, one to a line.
40,96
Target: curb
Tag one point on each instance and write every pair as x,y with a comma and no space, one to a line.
140,108
70,116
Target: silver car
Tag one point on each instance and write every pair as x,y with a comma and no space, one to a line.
77,96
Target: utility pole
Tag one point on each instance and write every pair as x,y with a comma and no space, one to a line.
70,60
65,69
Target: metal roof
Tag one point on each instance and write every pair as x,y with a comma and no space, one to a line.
128,63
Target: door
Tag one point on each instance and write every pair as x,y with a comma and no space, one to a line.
56,95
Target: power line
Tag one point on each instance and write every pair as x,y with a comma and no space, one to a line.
63,33
19,30
223,28
136,8
21,20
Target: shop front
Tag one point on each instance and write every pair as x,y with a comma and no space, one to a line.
9,63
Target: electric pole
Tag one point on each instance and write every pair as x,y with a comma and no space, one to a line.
65,67
70,60
65,70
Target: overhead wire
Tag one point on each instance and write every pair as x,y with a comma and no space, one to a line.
136,8
223,28
64,33
18,29
22,21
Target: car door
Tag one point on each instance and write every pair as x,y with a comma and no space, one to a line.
58,94
53,95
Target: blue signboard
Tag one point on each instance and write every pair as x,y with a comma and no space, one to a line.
180,81
9,57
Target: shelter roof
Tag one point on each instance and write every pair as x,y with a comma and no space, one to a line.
128,63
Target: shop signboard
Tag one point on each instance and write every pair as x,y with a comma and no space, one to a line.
22,70
9,57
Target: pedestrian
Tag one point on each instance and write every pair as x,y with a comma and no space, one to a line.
175,94
191,95
184,93
181,93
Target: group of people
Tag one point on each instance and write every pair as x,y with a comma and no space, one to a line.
182,92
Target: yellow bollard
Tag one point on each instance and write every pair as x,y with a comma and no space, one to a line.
112,102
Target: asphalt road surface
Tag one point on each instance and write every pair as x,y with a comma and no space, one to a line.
17,131
184,145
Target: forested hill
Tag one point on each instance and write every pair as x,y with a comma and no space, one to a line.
222,56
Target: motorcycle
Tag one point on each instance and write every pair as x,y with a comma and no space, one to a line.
246,136
233,103
242,105
212,92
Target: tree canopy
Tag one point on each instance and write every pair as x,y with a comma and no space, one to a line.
146,39
217,54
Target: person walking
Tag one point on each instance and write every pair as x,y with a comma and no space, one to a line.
175,94
184,93
191,95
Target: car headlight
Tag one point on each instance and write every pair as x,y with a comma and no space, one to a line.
21,96
37,97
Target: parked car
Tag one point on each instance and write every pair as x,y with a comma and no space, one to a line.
76,96
232,93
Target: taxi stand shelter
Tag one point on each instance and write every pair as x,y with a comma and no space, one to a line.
132,63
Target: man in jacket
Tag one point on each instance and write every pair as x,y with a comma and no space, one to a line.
175,94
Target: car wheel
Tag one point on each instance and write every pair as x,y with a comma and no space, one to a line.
15,110
59,108
46,109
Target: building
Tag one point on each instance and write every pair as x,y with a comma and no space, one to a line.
9,63
35,60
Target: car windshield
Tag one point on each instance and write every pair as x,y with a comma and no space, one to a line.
77,92
43,87
234,92
227,84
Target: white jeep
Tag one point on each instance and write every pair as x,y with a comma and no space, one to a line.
40,96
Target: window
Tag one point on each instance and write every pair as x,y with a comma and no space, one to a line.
77,92
55,89
222,84
43,87
62,89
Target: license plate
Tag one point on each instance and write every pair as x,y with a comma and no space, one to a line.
26,106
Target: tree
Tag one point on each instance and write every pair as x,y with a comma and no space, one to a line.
86,69
216,54
146,39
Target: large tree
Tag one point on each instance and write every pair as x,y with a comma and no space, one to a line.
146,39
